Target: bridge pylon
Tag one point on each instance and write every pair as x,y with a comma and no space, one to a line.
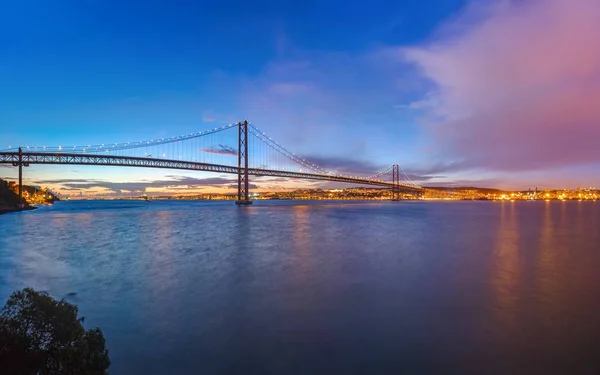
243,197
396,182
21,164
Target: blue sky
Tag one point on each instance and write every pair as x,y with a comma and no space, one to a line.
329,79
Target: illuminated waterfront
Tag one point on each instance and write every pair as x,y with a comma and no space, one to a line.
321,288
361,193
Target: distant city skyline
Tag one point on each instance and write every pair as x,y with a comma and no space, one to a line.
460,93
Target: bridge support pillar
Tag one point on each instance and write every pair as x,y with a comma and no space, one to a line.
21,177
21,164
243,197
396,182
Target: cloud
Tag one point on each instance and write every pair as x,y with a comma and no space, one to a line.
442,167
306,99
419,177
275,179
345,165
516,90
172,182
221,150
65,180
207,116
366,168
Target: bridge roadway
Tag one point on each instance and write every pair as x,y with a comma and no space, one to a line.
129,161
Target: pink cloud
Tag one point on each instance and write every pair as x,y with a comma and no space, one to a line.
208,116
517,90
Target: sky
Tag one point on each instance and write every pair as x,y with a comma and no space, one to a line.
490,93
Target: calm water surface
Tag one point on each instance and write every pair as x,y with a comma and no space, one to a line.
313,288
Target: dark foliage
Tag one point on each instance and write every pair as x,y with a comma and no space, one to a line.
40,335
7,197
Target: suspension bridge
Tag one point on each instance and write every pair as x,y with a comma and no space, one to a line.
211,150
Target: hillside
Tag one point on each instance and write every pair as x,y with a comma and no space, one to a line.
463,188
9,201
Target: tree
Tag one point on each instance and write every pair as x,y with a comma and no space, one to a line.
40,335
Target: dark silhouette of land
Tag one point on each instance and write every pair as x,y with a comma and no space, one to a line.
9,200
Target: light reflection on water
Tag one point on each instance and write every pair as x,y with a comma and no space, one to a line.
312,287
506,270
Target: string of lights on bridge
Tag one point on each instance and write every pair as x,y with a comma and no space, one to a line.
108,147
111,148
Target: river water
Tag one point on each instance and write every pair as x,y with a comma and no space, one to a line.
321,288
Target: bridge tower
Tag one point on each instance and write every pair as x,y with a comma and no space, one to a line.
20,164
396,182
243,189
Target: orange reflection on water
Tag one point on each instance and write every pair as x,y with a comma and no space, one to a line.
547,280
83,221
85,218
547,246
506,265
300,231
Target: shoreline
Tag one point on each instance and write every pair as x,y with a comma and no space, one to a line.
341,200
6,210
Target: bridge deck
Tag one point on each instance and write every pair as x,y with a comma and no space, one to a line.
128,161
